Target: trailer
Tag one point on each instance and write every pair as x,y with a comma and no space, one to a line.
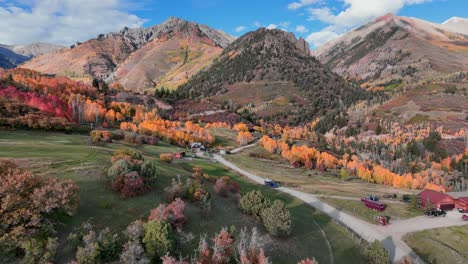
374,205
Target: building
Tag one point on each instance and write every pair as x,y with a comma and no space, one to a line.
179,155
438,199
462,204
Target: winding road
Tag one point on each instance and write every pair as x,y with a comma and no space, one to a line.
390,236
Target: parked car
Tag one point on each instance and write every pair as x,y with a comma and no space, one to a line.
271,183
435,212
465,217
462,211
372,198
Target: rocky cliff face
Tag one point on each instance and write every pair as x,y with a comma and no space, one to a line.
105,57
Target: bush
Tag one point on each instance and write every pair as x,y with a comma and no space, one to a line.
172,213
149,170
101,248
166,157
376,253
277,219
197,191
39,251
158,239
121,153
119,168
253,203
31,206
133,138
134,253
225,185
130,185
175,190
98,136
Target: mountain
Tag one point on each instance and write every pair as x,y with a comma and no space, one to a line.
12,56
10,59
393,49
271,74
141,58
36,49
457,24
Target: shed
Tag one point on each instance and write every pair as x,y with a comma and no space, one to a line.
179,155
438,199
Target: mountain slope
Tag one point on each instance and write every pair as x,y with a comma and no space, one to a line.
394,49
36,49
171,58
457,24
271,74
105,56
10,59
12,56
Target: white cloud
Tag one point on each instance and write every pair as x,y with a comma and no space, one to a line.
272,26
240,29
284,25
321,37
301,4
62,21
301,29
257,24
355,13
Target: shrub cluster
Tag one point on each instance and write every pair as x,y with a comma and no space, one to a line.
166,157
275,216
30,209
225,185
130,174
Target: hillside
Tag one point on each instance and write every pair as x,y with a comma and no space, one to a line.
457,24
270,74
395,49
128,57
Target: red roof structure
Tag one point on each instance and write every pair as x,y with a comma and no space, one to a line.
438,199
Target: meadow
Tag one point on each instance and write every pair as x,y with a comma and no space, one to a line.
70,156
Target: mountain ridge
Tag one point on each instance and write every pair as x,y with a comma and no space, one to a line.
101,57
391,47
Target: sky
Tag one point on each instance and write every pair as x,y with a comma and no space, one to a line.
67,21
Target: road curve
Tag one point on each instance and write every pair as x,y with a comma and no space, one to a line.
395,246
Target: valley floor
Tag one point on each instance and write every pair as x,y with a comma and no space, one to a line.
390,236
72,157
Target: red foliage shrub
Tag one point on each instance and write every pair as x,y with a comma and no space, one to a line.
30,204
130,185
172,213
224,185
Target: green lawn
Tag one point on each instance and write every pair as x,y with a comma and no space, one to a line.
71,157
395,211
224,137
441,245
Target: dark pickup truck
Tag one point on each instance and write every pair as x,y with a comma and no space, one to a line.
435,212
271,183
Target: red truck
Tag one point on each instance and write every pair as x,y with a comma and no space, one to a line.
373,203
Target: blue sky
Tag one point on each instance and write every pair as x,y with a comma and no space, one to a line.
67,21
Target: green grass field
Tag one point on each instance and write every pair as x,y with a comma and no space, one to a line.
224,137
441,245
260,162
395,211
72,157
